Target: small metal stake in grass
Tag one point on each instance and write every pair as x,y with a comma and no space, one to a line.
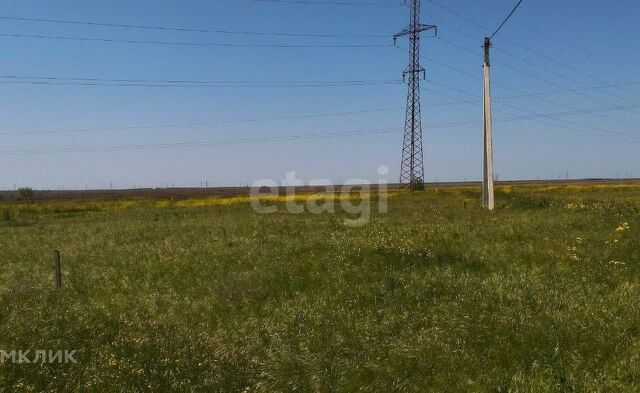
58,268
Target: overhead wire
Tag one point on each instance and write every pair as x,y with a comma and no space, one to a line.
506,19
223,122
189,43
544,80
188,29
283,138
500,49
199,85
587,129
169,83
156,146
556,38
328,2
533,51
203,124
572,123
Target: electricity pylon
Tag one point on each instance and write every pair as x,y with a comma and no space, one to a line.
412,166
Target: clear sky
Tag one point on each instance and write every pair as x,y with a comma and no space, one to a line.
565,76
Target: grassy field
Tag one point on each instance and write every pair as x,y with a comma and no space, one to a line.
435,295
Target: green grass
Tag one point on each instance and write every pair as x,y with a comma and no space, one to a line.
437,295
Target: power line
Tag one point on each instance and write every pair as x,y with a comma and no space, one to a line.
530,117
188,43
506,19
188,85
178,82
533,76
323,2
197,82
516,69
286,138
453,12
189,29
556,38
180,85
589,130
599,130
546,69
454,101
572,69
202,124
552,92
535,52
222,122
157,146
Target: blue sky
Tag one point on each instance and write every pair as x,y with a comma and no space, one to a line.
554,63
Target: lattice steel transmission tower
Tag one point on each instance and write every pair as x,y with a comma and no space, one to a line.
412,166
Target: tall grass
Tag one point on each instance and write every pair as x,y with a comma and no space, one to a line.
437,295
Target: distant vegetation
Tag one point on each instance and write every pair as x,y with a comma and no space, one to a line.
25,193
417,185
436,295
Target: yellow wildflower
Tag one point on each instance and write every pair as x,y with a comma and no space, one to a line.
623,227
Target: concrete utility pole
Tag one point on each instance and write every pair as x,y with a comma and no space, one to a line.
488,195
